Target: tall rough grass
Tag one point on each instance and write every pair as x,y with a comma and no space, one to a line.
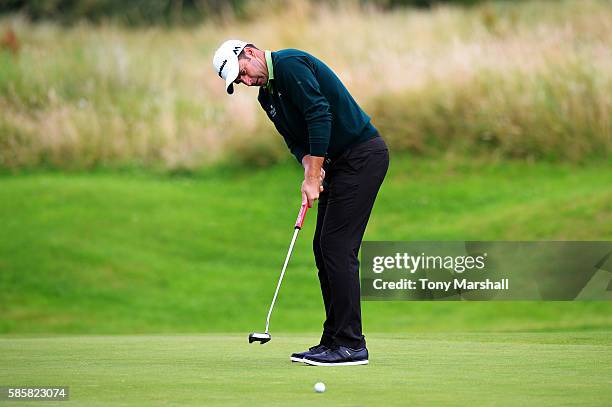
530,80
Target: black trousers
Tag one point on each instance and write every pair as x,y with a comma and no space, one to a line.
351,184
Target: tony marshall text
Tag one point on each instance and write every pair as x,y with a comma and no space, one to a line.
425,284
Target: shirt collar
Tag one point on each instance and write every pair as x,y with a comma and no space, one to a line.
270,69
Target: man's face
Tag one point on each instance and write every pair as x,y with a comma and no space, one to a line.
253,70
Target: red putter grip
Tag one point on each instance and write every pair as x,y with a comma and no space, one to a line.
301,216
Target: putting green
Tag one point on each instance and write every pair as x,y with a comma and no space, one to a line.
543,369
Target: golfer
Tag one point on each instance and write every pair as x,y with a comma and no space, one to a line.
345,161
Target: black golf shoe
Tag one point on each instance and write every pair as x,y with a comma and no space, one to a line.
299,357
340,356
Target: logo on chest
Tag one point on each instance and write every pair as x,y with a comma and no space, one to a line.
272,111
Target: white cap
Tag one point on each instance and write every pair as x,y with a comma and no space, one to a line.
225,62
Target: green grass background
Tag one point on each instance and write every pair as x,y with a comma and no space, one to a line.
534,369
132,252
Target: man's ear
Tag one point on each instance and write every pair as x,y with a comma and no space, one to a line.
249,51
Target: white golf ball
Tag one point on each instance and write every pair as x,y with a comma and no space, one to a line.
319,387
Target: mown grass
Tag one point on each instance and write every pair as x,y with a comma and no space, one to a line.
543,369
109,252
513,79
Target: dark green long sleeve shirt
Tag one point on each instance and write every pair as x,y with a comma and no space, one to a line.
311,108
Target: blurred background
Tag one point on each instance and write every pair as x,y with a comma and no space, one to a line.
136,196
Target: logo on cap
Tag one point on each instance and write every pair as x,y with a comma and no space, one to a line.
221,68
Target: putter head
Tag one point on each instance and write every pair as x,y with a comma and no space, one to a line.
257,337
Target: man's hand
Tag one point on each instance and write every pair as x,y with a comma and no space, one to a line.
313,178
310,191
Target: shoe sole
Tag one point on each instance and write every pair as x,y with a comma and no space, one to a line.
294,359
315,363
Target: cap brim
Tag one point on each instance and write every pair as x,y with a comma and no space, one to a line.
232,74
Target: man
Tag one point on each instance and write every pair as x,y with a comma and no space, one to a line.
345,161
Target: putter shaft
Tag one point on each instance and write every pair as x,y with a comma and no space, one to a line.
280,279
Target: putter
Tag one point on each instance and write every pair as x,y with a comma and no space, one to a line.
265,337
